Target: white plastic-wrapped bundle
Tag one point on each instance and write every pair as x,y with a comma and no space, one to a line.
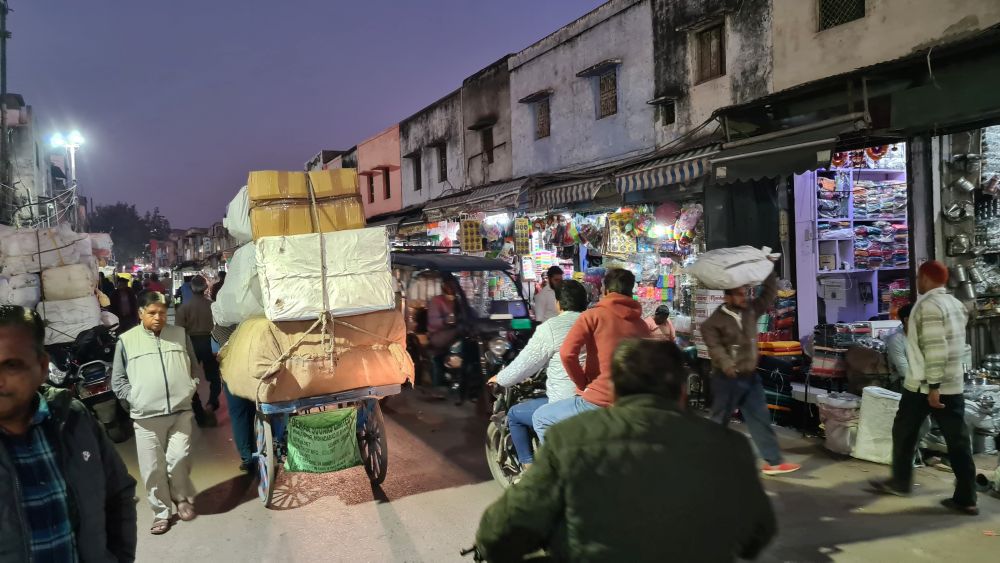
237,220
358,276
100,244
30,251
23,290
240,298
729,268
64,320
69,282
874,440
839,414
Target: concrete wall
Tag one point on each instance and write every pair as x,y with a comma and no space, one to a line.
890,29
486,96
748,59
618,29
382,150
441,122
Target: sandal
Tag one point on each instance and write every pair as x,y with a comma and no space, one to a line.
160,527
186,511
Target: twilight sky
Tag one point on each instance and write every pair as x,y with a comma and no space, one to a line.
178,100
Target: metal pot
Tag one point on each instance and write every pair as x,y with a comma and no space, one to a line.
959,211
958,245
962,184
966,291
976,274
959,274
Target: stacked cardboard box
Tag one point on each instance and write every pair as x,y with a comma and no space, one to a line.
280,202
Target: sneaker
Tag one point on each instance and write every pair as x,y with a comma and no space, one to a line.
780,469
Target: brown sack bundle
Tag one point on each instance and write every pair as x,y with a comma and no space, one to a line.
272,362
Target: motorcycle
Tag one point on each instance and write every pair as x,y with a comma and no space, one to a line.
84,367
501,456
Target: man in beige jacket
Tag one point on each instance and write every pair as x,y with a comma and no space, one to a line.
156,374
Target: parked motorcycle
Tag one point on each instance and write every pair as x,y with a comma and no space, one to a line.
501,456
84,367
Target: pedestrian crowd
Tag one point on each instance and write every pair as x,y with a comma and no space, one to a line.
623,471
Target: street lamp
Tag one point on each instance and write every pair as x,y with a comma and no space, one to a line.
71,143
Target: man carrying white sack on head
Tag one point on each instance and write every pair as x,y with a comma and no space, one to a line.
731,336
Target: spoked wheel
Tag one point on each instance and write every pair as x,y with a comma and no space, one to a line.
372,441
266,459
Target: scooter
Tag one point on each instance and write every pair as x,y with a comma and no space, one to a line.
84,367
501,456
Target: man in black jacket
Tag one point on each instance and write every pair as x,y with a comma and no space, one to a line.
65,494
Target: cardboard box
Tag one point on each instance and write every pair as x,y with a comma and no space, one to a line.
294,217
269,185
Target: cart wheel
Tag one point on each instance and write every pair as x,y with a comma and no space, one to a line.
266,461
372,440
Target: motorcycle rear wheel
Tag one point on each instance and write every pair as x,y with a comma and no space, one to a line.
118,432
493,437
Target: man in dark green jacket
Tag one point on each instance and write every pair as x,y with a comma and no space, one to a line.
639,481
65,494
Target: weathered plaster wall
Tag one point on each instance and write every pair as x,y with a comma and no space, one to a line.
486,95
382,150
890,29
619,29
441,122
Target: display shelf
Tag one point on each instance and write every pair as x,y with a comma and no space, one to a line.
869,170
874,219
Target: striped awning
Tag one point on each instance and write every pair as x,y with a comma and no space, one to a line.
566,193
446,202
674,169
495,196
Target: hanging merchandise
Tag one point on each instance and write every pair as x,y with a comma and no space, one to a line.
522,236
620,241
470,236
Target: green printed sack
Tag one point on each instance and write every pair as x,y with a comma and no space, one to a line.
323,442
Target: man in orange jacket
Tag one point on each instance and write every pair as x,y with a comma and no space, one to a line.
597,332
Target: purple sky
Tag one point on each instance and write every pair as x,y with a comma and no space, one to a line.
179,100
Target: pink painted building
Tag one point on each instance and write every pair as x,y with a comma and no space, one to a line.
378,173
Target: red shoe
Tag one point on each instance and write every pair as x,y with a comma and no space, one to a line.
780,469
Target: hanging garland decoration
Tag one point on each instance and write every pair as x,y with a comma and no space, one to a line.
839,159
876,153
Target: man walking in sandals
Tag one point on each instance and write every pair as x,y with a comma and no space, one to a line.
155,372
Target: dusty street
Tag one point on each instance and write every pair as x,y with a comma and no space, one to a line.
438,485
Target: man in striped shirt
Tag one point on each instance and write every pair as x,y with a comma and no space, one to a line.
937,351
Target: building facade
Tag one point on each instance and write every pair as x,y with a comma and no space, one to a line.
378,164
430,144
486,125
579,97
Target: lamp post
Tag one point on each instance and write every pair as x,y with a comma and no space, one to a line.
71,143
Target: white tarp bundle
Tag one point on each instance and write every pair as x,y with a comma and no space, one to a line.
29,251
100,245
878,409
69,282
23,290
839,414
64,320
237,220
729,268
358,275
240,298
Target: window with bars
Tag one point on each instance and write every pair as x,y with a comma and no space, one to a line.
542,118
487,139
418,179
442,162
711,52
386,190
371,188
832,13
608,94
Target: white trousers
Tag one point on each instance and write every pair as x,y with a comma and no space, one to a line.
164,448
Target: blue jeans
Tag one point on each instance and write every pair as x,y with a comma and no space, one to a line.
549,414
747,395
241,417
519,423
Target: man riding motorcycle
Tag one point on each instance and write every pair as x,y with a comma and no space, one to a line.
541,351
447,319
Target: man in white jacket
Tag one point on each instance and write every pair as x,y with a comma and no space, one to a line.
547,297
936,351
156,374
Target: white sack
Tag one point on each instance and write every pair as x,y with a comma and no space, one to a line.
237,220
839,415
359,279
240,298
23,290
109,319
874,441
69,282
100,244
728,268
64,320
84,248
30,251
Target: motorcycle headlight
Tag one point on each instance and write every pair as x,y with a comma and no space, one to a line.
56,376
498,347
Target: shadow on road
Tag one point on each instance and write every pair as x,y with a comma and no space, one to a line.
227,495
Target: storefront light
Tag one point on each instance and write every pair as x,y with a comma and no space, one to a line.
658,231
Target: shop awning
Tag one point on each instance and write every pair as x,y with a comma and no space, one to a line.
566,193
674,169
495,196
780,154
437,208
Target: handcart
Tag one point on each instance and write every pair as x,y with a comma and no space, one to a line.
272,423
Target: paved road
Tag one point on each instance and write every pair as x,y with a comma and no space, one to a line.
438,486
